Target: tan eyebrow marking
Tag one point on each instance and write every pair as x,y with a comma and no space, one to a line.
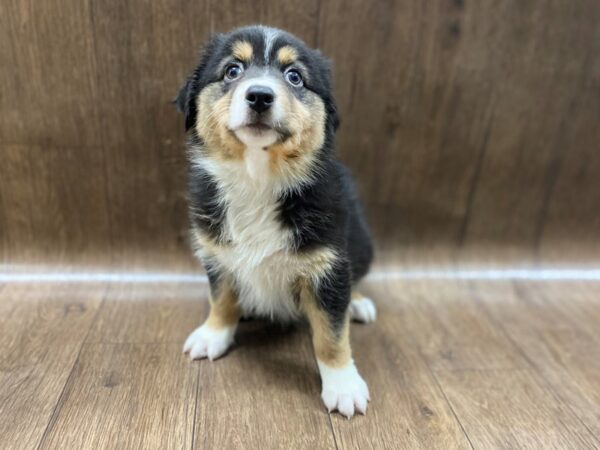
242,50
287,55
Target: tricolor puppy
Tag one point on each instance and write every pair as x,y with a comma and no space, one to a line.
274,216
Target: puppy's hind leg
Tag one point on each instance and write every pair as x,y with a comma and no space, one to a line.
362,309
214,337
326,308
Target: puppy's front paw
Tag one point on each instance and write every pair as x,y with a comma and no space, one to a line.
206,342
344,389
363,310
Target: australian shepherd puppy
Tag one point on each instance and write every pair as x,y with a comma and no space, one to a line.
274,216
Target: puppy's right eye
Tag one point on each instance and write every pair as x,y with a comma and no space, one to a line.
233,71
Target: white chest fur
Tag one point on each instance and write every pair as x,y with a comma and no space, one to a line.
258,251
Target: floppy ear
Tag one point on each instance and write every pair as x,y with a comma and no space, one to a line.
332,112
185,103
326,82
186,99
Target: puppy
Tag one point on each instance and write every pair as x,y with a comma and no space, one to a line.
274,216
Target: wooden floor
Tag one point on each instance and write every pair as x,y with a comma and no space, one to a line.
450,364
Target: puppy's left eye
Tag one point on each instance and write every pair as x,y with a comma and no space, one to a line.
233,71
293,77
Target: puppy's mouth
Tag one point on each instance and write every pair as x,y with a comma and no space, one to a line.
258,127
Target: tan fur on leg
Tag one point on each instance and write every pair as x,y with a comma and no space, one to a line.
331,347
224,309
357,296
212,339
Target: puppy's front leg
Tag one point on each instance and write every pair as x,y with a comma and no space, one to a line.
215,336
326,307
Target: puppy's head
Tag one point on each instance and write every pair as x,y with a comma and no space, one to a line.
259,88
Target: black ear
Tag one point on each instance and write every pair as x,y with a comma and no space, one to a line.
326,88
185,103
333,117
186,99
332,112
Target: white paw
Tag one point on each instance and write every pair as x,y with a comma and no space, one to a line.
344,389
205,342
363,310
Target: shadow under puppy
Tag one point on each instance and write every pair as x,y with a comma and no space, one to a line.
274,216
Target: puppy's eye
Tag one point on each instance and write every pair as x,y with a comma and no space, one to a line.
293,77
233,71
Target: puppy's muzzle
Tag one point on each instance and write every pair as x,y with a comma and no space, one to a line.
260,98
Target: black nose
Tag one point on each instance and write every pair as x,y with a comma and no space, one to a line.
260,98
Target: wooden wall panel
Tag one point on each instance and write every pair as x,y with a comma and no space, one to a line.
473,123
47,74
539,92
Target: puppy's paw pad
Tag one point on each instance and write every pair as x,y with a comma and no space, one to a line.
344,390
363,310
205,342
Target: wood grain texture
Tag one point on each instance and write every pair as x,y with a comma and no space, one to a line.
407,410
556,328
264,394
70,378
510,409
475,122
41,334
126,396
149,313
451,331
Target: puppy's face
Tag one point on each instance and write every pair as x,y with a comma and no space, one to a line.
259,88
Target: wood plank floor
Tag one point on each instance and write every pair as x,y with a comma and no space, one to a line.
450,364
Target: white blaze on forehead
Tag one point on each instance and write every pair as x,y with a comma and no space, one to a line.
270,34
